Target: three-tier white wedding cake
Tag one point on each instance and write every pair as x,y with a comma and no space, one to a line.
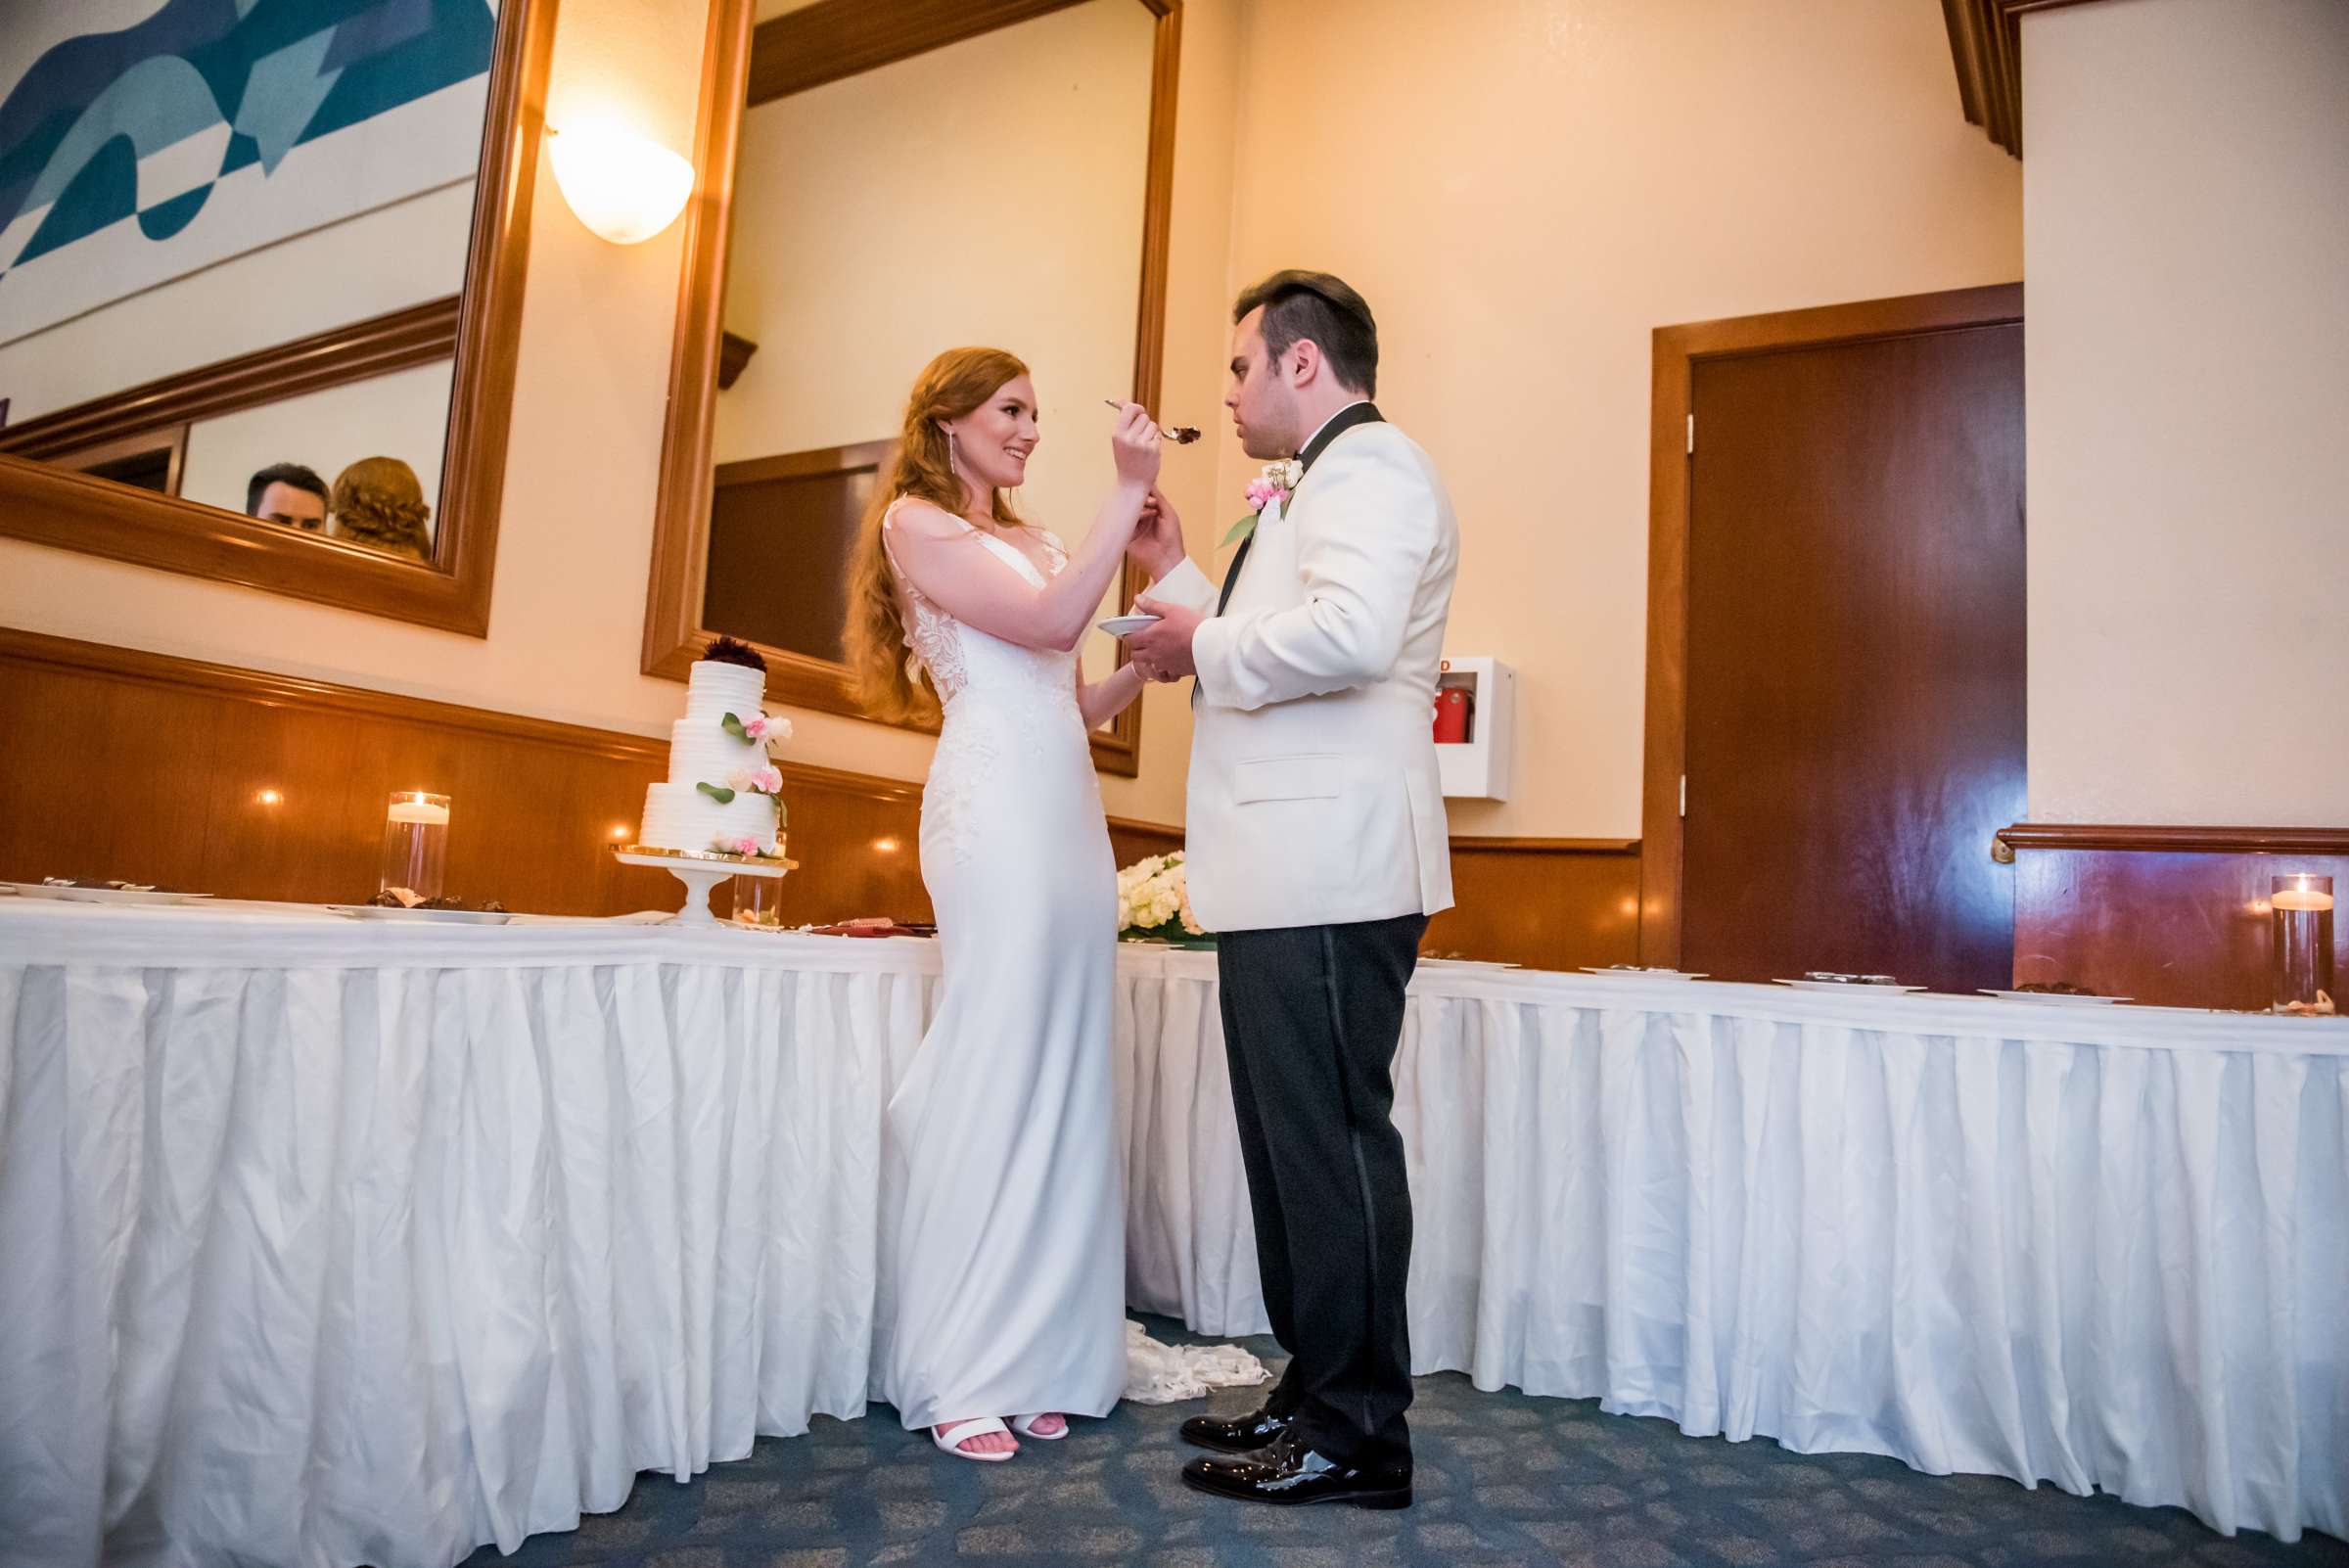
722,792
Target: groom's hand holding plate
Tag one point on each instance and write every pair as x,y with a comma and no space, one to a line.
1163,651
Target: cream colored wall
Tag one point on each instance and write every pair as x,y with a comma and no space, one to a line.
567,613
2187,213
1523,191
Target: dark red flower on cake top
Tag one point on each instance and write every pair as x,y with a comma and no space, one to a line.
726,651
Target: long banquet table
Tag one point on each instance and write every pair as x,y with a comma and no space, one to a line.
325,1243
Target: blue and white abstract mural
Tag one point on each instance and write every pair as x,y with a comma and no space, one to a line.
141,140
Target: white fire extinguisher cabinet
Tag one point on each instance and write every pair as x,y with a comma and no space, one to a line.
1477,767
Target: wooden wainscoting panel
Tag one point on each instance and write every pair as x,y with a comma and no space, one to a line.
1547,903
247,784
2175,916
1130,841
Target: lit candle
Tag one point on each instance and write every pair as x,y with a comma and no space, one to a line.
2304,899
410,808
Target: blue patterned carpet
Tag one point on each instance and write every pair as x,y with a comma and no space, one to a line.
1501,1479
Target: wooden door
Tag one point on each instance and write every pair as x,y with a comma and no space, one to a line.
1855,659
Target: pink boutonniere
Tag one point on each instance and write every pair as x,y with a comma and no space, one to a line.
1274,486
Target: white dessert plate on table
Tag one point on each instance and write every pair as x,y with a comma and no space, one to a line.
1127,625
147,896
1847,987
1467,963
2054,996
446,918
1637,973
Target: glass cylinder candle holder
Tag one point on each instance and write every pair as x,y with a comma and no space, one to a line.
415,843
2300,908
758,901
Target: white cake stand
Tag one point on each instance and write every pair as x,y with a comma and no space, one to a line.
700,873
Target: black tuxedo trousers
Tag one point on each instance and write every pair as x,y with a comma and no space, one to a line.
1312,1018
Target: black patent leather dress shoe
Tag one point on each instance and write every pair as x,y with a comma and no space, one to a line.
1235,1434
1290,1475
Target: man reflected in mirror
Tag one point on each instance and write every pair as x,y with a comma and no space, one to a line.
290,494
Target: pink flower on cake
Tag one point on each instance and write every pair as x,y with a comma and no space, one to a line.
758,780
745,844
759,730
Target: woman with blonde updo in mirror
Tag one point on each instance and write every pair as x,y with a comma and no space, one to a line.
380,503
1003,1267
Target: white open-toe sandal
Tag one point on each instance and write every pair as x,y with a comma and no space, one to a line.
948,1437
1024,1426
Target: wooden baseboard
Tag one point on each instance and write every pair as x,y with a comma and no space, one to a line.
2171,915
248,784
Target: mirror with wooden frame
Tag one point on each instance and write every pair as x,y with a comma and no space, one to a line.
884,180
260,287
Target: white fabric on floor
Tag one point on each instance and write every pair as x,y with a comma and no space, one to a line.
366,1244
1168,1374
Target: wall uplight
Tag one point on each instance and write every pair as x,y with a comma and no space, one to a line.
621,186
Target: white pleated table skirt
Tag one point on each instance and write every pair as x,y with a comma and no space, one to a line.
328,1244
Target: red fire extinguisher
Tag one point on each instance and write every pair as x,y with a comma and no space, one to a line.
1452,707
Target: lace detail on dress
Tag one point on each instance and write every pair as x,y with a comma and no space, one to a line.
997,694
930,642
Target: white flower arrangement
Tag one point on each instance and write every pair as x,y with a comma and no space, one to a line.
1154,902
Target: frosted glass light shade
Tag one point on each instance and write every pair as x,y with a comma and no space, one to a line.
623,187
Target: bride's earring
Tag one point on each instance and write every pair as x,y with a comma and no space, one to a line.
953,454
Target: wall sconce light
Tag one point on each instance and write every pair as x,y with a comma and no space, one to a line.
623,186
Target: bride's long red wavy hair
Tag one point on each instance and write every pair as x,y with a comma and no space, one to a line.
948,387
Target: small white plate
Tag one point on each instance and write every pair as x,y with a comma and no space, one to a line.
1640,974
1467,963
2054,996
1847,987
148,896
446,918
1127,625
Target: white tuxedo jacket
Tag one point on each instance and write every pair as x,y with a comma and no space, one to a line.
1313,795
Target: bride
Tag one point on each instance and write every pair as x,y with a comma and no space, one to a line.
1006,1268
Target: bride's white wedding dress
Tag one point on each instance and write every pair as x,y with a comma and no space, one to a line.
1003,1273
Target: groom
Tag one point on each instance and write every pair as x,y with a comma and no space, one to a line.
1317,850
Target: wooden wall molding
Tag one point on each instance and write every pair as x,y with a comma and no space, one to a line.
396,341
2175,839
2173,915
835,39
71,511
107,458
1675,352
535,804
748,63
1986,41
